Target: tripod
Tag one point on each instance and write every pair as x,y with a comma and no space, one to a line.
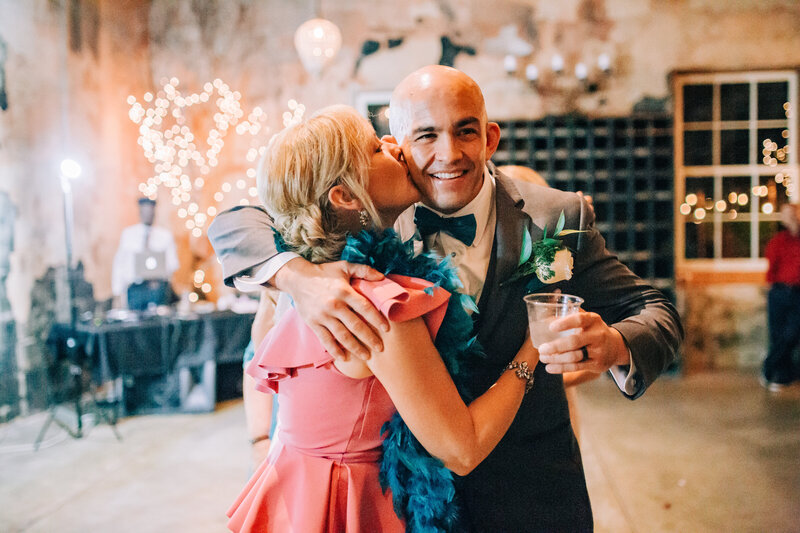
80,383
71,170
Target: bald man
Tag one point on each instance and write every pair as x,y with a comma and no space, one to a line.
533,480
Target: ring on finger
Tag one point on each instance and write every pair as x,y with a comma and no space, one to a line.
585,353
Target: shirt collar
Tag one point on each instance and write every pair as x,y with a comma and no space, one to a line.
480,206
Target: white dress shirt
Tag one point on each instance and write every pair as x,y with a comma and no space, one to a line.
134,240
471,261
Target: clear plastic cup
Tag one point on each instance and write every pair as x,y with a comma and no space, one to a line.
543,309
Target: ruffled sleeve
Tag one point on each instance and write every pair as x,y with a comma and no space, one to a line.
401,298
291,344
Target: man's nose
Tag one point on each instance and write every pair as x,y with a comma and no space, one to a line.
447,148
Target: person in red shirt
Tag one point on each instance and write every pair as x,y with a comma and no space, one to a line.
783,302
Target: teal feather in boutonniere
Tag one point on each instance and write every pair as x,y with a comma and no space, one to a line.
547,260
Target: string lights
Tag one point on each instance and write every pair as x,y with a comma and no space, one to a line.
773,155
184,163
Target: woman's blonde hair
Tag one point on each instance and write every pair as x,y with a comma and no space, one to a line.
302,164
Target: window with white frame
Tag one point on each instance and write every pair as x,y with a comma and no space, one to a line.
735,164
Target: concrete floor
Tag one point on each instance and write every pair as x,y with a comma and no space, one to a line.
710,452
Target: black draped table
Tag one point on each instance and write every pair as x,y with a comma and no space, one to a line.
162,363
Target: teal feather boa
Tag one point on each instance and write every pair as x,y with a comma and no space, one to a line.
423,490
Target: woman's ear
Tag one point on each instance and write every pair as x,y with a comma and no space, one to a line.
342,198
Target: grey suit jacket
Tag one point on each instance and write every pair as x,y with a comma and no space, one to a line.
533,480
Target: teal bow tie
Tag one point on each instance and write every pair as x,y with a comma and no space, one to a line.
461,228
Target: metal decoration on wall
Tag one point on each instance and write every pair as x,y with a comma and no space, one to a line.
450,51
370,46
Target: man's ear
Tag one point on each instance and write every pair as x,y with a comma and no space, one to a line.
340,197
492,138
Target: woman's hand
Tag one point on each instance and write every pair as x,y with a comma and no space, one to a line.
344,321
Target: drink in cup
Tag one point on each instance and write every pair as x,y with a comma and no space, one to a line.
543,309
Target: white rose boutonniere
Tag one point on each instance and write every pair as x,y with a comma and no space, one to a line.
559,270
547,260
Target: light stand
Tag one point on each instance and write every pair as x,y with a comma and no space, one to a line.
71,170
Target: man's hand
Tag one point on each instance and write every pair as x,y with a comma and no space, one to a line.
603,345
344,321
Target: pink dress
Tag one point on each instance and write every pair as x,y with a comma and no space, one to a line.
321,474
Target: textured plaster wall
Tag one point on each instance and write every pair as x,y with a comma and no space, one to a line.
67,67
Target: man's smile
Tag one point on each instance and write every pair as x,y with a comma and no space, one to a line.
448,175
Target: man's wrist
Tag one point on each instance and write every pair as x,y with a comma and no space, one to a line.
623,351
282,280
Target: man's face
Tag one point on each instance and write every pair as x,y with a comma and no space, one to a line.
147,213
447,144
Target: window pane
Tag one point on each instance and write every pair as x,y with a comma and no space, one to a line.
735,239
736,194
699,240
380,121
697,103
698,218
766,230
771,97
735,101
697,148
697,206
771,147
777,191
735,147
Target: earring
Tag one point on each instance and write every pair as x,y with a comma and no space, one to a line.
363,217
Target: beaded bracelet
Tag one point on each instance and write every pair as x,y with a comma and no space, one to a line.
523,371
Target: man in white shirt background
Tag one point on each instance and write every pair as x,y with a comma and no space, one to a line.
144,263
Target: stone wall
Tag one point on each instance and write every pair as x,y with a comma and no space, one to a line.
726,326
68,66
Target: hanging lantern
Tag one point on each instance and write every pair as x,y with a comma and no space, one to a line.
317,42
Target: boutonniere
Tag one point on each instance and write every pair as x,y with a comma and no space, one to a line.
547,260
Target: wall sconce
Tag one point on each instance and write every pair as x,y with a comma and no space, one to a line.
557,63
553,79
510,64
532,73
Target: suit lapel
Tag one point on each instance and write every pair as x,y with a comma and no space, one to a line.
505,252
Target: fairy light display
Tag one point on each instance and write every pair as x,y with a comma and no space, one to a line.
184,160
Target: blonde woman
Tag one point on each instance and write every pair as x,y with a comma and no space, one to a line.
344,457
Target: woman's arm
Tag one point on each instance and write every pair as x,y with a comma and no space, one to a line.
257,404
416,379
